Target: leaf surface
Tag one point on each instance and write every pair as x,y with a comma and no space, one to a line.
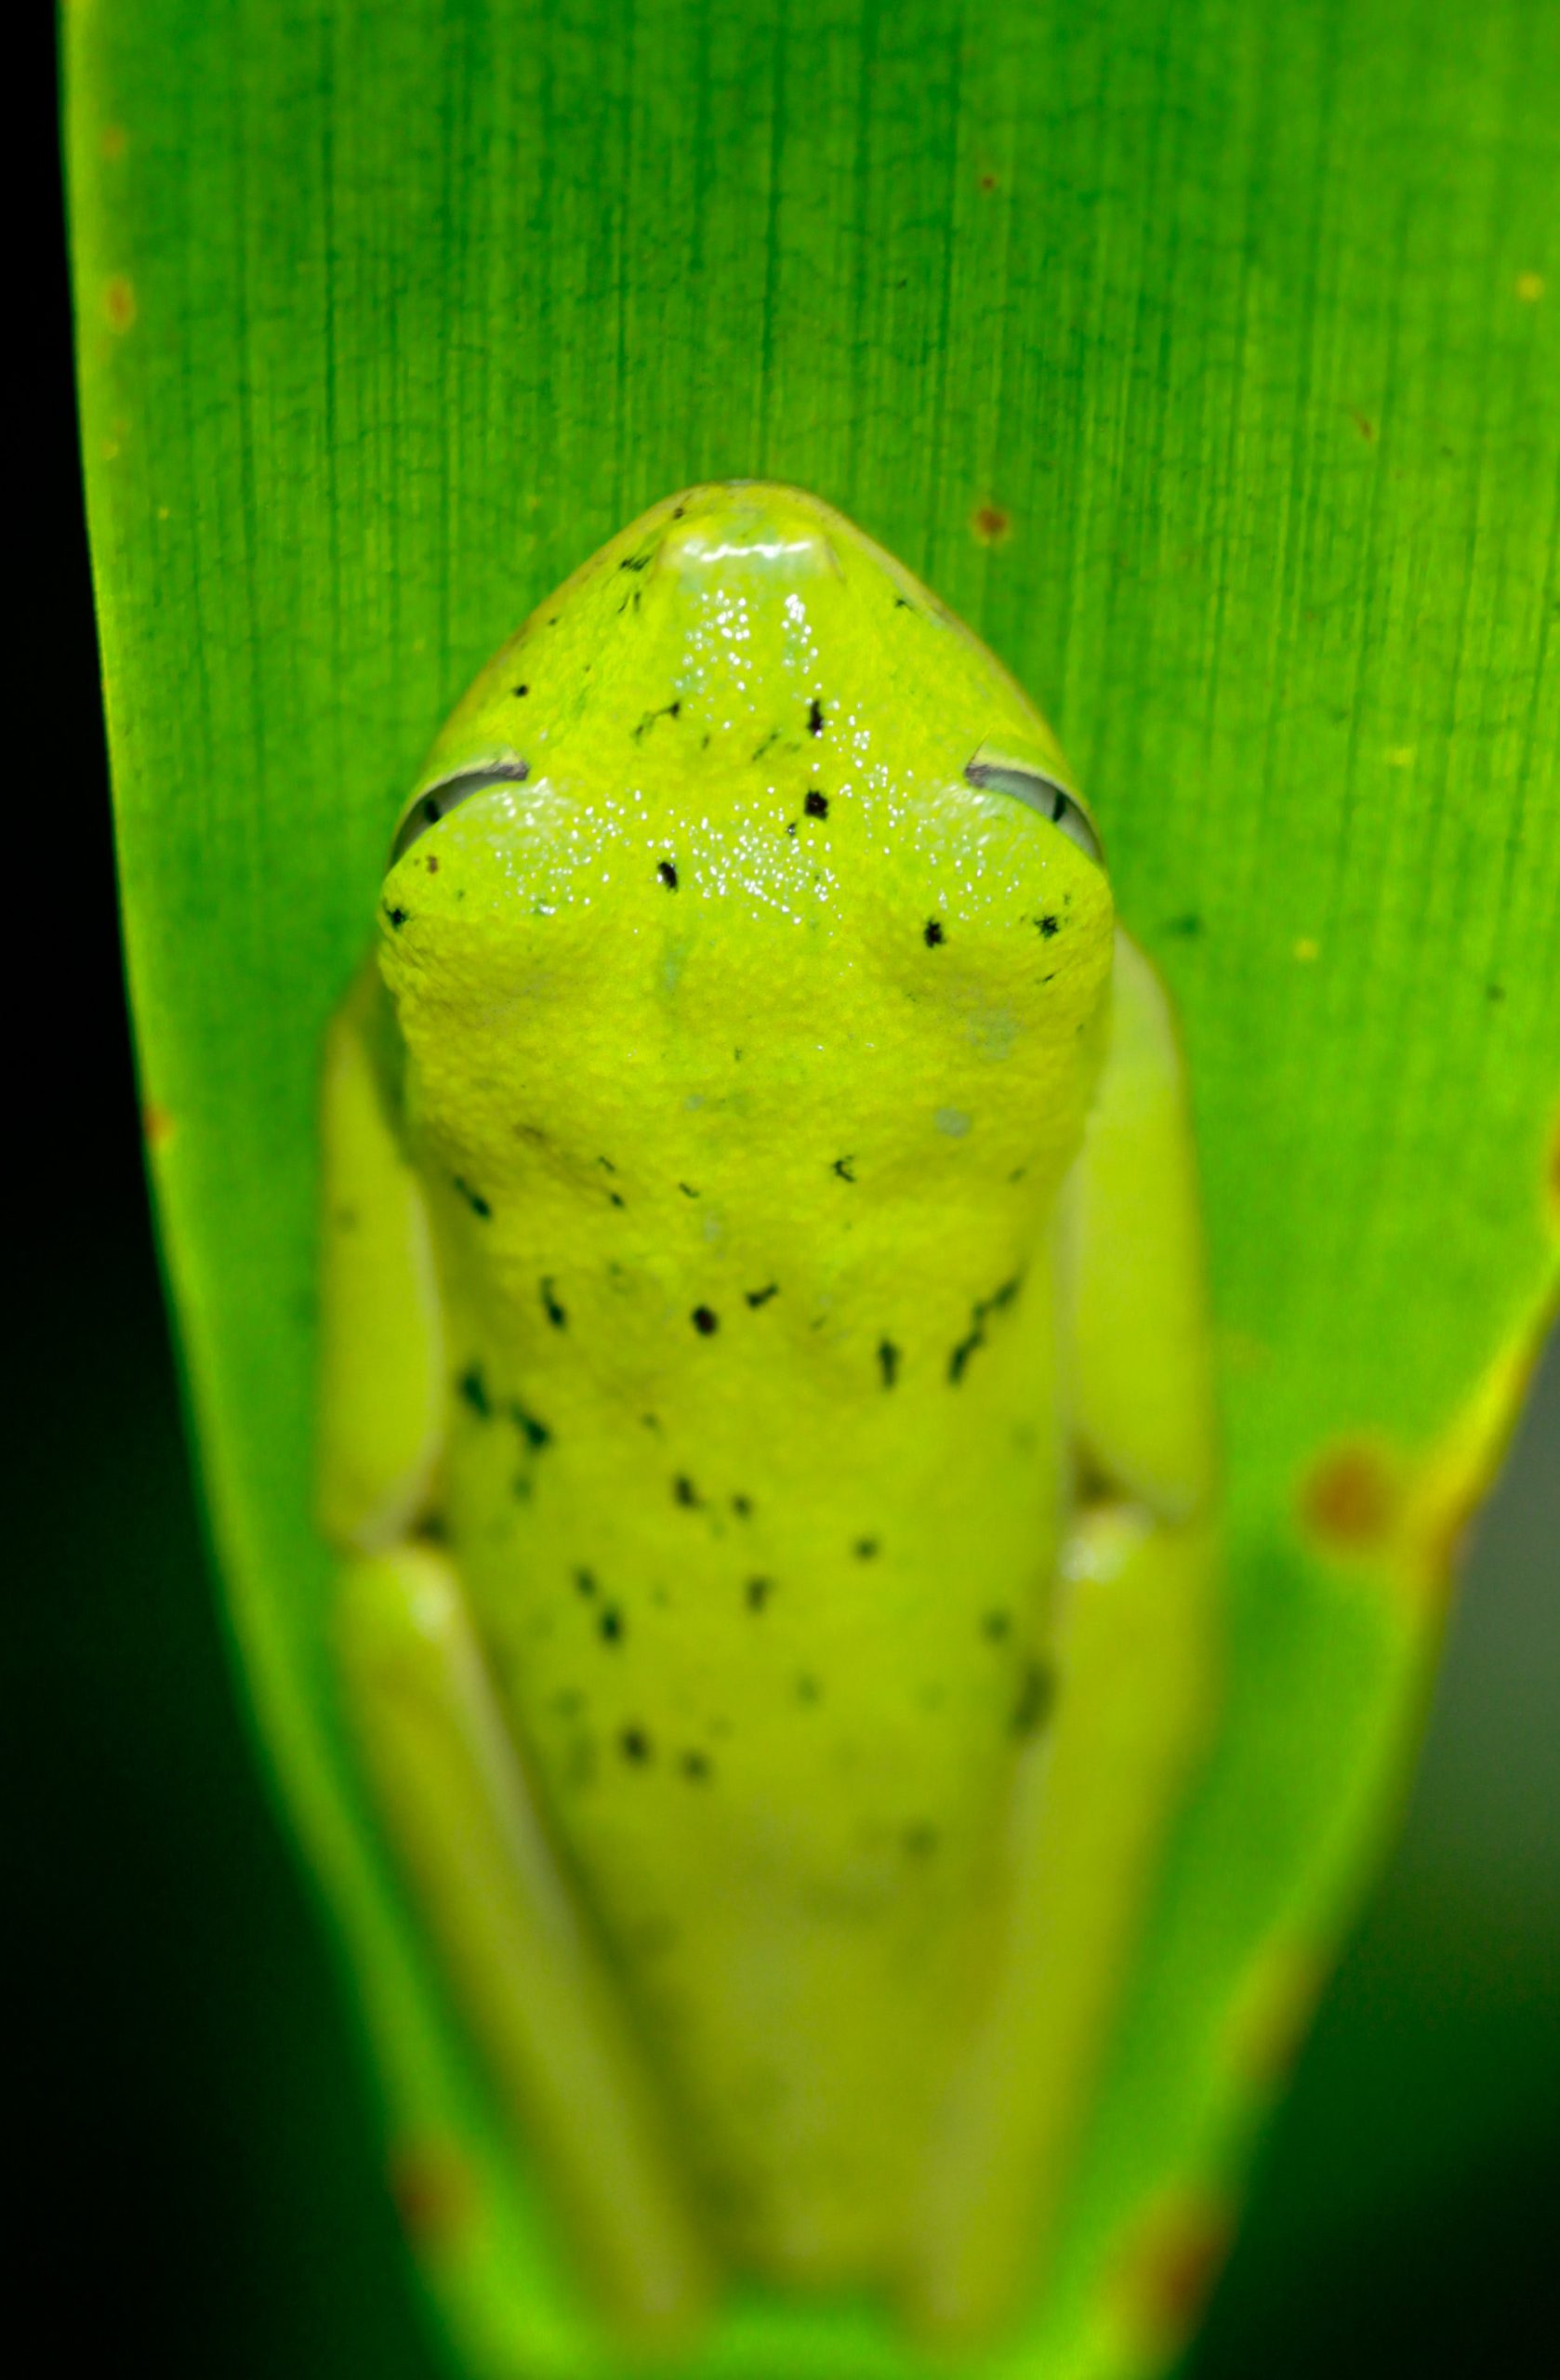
1205,358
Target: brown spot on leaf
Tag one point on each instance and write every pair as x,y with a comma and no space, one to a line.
112,141
1351,1497
434,2190
157,1125
1172,2262
119,302
990,524
1404,1517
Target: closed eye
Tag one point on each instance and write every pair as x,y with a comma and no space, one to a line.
1042,793
439,800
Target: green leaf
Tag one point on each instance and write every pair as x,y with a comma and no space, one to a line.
1204,357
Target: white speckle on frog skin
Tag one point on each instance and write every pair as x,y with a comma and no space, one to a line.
953,1121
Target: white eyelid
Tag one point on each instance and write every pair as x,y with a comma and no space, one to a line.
1052,799
446,793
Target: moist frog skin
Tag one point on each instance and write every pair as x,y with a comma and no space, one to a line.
765,1423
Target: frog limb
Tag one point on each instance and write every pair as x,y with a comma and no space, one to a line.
381,1333
528,1980
448,1784
1134,1678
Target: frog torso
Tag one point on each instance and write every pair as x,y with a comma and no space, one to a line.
747,1047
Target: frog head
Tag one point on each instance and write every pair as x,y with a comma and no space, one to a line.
744,784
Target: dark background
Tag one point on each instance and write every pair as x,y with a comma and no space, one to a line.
198,2151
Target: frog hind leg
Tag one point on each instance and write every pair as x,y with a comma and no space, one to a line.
1134,1672
444,1777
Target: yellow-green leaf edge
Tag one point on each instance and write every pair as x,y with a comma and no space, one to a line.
1204,357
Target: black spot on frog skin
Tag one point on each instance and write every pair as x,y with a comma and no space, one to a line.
920,1839
888,1361
535,1433
555,1313
996,1626
808,1690
667,710
865,1549
634,1744
705,1321
640,560
742,1506
817,804
757,1592
611,1625
961,1356
585,1584
1189,925
474,1199
980,1313
814,717
667,875
843,1166
473,1388
1049,925
688,1190
762,1296
396,917
1036,1692
520,693
932,933
683,1490
696,1767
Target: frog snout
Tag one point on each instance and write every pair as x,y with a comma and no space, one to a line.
742,528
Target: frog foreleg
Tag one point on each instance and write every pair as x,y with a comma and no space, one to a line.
446,1779
1133,1669
381,1408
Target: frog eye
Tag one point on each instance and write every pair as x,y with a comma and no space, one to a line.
437,800
1042,793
